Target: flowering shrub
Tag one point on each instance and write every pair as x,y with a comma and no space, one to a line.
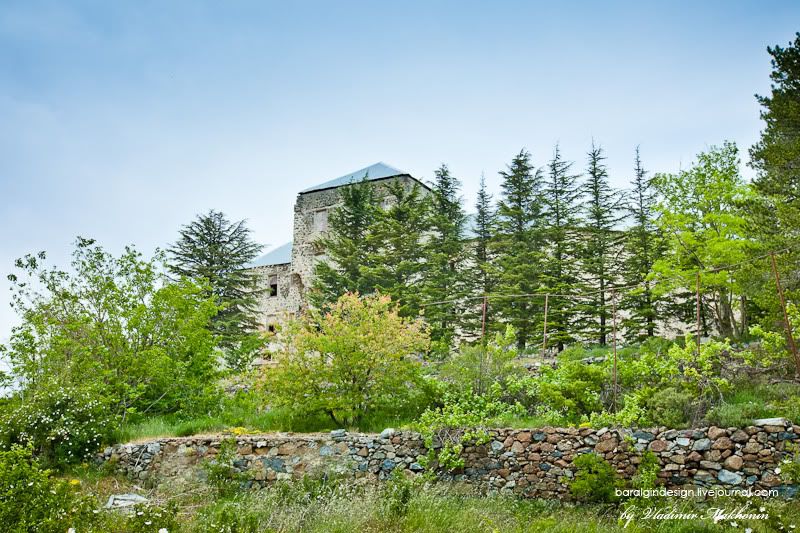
32,500
62,425
150,518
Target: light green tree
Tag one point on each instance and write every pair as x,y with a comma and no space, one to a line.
358,359
117,323
702,218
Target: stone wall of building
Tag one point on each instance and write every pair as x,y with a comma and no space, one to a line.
530,463
275,310
309,226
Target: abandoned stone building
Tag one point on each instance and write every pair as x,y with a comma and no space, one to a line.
287,270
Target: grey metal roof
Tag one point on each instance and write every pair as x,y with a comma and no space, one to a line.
277,256
377,171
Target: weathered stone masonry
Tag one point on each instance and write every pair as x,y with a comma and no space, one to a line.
530,463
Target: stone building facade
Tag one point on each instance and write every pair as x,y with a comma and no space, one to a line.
287,271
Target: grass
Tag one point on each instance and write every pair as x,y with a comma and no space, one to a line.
238,413
747,402
322,505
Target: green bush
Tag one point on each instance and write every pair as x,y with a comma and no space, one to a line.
647,473
478,367
595,479
398,492
351,362
670,407
463,419
32,500
63,424
221,472
573,388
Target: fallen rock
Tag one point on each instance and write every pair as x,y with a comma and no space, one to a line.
118,501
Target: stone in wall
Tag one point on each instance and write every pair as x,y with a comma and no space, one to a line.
535,463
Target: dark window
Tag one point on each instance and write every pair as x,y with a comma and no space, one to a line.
273,285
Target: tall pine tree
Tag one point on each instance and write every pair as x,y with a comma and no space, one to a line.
644,245
600,246
776,156
213,249
562,217
444,258
480,270
346,245
517,245
395,264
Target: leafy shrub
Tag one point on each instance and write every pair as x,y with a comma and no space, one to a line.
398,491
62,424
32,500
477,367
573,388
647,473
462,420
220,471
669,407
595,479
116,326
348,363
790,466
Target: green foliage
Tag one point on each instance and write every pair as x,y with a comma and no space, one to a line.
516,245
790,466
481,274
701,214
595,479
114,335
478,367
561,271
463,419
444,259
220,471
373,248
647,474
399,490
669,407
747,401
214,251
643,245
776,155
773,349
32,500
396,260
356,360
599,248
346,245
62,424
572,388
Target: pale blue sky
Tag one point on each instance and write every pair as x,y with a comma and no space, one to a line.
122,120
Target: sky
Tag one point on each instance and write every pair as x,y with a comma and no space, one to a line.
121,121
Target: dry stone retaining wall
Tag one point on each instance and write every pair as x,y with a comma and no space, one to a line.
531,463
